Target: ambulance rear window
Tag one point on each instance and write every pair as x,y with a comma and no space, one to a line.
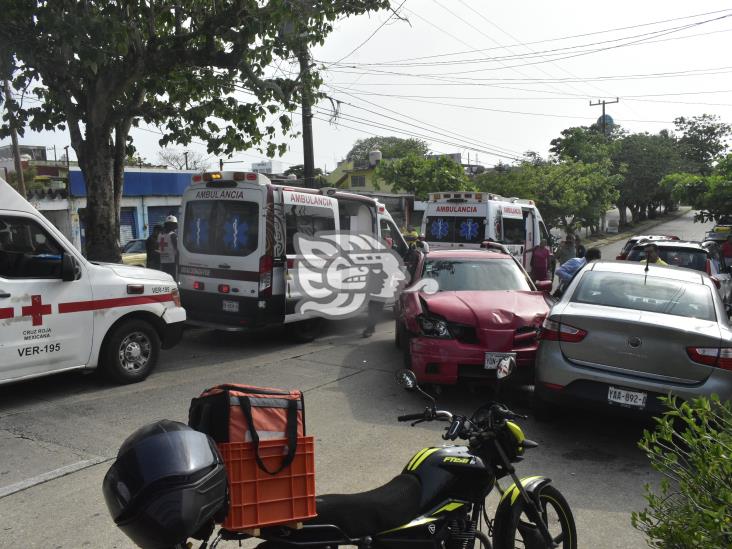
455,229
215,227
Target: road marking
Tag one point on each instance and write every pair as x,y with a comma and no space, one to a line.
51,475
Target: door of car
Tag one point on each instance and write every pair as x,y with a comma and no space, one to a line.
38,334
530,235
721,271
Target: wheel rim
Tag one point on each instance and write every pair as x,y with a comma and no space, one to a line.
135,352
527,533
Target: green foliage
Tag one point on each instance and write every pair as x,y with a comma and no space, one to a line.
569,194
299,171
420,176
585,144
710,195
703,139
196,70
390,147
691,447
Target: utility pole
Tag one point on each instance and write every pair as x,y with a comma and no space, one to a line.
14,141
68,162
185,155
603,103
307,118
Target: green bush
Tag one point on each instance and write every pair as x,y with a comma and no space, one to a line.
692,448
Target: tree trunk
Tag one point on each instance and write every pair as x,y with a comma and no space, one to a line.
622,216
102,215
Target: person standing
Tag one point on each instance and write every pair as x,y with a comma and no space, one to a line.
168,247
540,261
567,250
568,270
580,249
151,247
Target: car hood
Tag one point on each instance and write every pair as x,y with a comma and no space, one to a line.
141,273
500,309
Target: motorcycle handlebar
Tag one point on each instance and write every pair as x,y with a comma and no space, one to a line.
427,415
410,417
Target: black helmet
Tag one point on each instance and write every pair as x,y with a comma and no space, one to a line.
167,484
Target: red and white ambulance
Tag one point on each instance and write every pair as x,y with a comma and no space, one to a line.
236,247
465,219
60,312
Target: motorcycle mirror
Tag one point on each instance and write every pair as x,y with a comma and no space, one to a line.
506,367
406,378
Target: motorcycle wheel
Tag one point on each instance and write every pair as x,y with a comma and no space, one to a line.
519,532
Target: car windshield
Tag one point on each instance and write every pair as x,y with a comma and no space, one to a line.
465,275
134,247
646,293
688,258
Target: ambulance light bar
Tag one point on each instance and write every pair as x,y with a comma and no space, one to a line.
434,197
212,177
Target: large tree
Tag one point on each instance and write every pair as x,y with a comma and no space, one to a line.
710,195
99,67
702,139
184,160
420,176
390,147
568,194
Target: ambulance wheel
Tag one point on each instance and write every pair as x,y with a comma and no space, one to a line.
130,352
306,331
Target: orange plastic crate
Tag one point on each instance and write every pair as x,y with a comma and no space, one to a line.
259,499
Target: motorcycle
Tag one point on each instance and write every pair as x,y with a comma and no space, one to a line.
438,500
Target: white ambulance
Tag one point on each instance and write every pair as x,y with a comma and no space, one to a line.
465,219
60,312
236,249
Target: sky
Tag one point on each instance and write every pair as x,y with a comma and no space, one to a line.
493,80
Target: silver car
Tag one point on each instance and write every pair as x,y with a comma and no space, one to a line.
625,333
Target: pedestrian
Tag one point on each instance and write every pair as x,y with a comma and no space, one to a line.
540,261
727,248
652,257
168,247
568,270
151,246
566,250
579,247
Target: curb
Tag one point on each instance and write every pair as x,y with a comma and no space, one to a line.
642,226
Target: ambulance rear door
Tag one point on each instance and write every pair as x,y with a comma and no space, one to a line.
514,229
225,271
455,224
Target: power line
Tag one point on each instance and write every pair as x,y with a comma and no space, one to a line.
354,50
412,119
561,38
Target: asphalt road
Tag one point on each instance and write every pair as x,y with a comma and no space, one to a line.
58,434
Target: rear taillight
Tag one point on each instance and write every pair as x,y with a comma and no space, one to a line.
198,285
551,330
175,294
708,268
224,288
720,357
621,257
265,276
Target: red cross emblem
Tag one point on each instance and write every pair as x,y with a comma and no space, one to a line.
162,244
37,310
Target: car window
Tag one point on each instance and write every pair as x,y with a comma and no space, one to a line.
134,247
27,250
645,293
688,258
455,229
215,227
456,275
306,220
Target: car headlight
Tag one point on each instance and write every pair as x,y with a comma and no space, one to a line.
433,327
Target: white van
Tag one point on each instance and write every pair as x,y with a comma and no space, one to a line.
465,219
236,249
60,312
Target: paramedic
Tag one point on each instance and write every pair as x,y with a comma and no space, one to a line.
168,247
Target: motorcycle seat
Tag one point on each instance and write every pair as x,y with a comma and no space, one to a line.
367,513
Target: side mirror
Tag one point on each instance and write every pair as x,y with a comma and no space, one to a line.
544,285
717,282
406,378
506,367
68,268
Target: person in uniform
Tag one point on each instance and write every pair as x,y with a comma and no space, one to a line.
151,247
168,247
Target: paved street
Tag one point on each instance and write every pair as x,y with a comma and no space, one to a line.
73,424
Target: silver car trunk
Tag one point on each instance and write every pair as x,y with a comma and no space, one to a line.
647,344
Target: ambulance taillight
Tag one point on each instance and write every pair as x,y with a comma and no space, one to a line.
265,276
198,285
224,288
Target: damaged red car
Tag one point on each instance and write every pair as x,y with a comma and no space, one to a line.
485,308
